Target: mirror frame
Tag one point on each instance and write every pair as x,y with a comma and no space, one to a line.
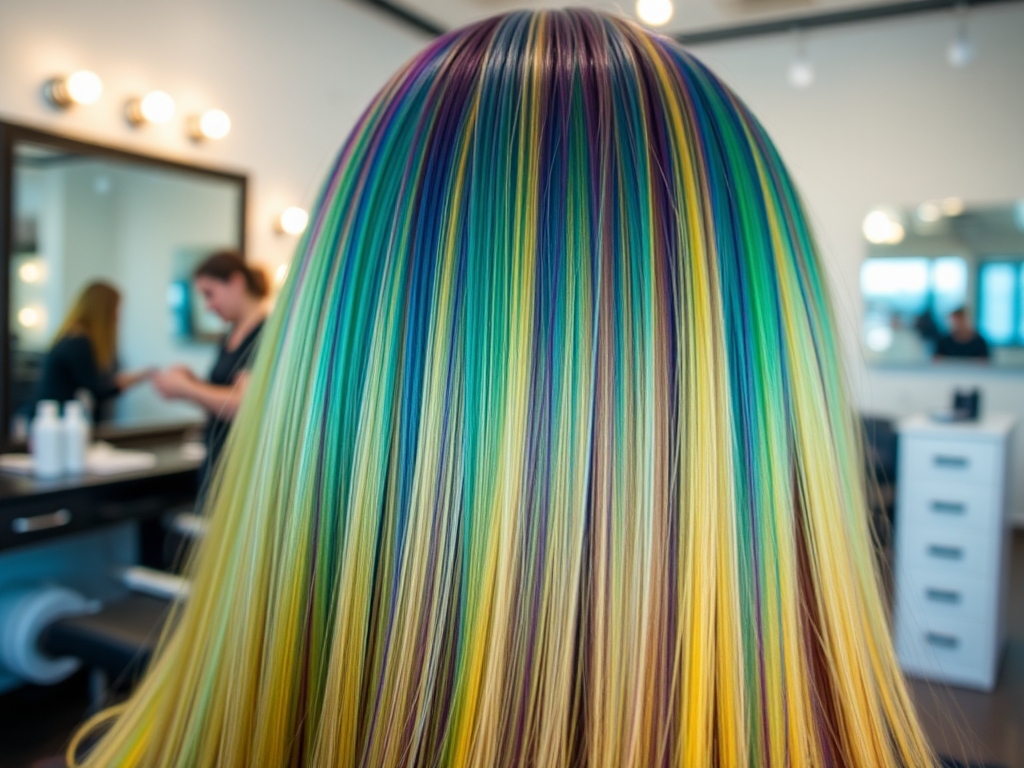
10,135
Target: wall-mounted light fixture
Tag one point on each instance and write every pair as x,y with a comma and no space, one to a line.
32,316
82,87
154,107
654,13
292,221
32,271
211,124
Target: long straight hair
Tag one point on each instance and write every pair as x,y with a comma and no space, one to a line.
546,458
94,316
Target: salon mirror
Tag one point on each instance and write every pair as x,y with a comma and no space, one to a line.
943,283
77,213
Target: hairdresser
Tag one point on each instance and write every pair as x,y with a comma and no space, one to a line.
237,292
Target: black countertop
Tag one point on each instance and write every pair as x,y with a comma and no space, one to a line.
169,461
34,510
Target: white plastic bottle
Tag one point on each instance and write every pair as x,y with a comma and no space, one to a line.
76,437
47,441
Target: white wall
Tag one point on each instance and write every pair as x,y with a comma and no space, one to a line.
889,121
292,74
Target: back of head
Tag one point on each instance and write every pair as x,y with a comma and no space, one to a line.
546,458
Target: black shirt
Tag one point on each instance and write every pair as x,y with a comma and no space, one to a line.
70,366
224,373
950,347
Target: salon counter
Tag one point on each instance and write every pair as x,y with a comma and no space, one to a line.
33,510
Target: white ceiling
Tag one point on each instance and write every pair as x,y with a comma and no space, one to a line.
690,15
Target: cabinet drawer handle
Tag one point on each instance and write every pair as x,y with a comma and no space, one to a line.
946,553
957,462
949,507
942,641
948,596
41,522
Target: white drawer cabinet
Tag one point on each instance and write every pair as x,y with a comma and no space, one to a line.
952,549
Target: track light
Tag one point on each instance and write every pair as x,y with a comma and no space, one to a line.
960,51
801,72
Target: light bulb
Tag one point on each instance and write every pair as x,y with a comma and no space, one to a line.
82,87
154,107
655,13
31,272
29,317
212,124
883,227
293,221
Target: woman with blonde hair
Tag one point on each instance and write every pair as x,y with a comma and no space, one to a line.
84,351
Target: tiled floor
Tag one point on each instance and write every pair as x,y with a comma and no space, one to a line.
966,725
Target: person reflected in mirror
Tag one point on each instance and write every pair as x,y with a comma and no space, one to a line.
84,353
927,329
962,341
237,292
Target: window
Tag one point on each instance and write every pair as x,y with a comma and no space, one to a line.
907,302
1000,299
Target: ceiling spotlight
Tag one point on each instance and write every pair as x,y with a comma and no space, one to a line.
293,221
960,51
154,107
654,13
883,227
801,72
83,87
212,124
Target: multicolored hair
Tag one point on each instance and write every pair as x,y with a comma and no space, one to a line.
546,458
